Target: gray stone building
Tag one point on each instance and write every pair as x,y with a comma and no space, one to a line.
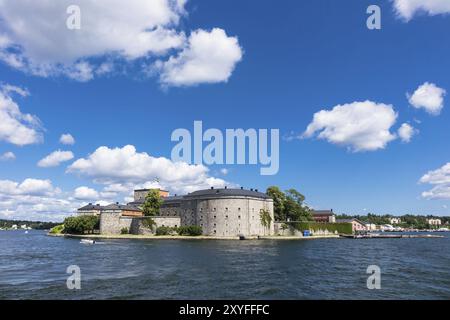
219,212
90,210
227,212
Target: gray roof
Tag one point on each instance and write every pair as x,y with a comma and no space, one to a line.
116,206
91,206
322,212
172,198
227,193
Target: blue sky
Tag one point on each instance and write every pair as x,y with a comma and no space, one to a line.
278,65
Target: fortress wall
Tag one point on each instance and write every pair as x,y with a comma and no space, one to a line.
227,216
111,222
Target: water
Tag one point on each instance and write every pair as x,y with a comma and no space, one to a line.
33,266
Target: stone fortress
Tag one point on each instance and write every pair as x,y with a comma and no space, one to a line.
219,212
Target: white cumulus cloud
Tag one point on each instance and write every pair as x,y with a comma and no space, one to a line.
34,38
108,27
126,168
34,199
85,193
440,179
209,57
16,127
7,156
36,187
408,8
359,126
429,97
406,132
55,159
67,139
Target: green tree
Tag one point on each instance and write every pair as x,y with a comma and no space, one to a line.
278,198
152,204
81,224
266,219
294,207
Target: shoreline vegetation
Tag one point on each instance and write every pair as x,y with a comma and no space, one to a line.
25,225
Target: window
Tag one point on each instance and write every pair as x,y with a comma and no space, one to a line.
239,209
239,217
226,209
214,217
226,217
214,209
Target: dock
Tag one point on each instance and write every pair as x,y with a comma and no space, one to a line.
389,236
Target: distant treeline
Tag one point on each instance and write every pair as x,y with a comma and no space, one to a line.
39,225
408,220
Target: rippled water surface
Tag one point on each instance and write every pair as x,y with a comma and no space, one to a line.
33,266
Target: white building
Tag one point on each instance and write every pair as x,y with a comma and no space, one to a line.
395,220
434,222
371,226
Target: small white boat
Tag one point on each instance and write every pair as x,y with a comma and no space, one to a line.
87,241
26,232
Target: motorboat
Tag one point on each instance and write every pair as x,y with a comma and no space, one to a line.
87,241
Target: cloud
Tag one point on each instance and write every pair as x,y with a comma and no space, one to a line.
85,193
34,45
67,139
55,159
7,156
16,127
34,199
224,171
8,89
360,126
429,97
406,9
440,179
406,132
126,168
208,57
34,187
109,36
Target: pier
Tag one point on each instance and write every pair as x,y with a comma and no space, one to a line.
388,236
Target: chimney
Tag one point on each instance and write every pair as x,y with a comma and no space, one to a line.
90,203
251,189
256,190
242,188
225,187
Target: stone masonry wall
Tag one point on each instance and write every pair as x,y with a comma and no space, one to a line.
227,216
